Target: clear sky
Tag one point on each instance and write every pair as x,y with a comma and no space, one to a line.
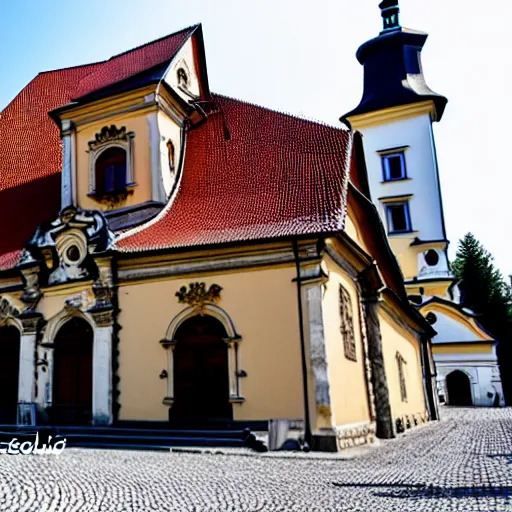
298,56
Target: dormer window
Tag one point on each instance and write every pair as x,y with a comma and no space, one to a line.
110,171
111,163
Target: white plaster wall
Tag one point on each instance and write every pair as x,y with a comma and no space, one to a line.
169,129
484,380
184,58
425,206
450,330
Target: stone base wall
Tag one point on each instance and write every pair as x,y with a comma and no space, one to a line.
403,423
348,436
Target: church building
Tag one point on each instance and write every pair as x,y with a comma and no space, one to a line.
172,256
395,116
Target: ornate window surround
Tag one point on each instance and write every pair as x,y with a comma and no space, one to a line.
233,340
109,137
347,324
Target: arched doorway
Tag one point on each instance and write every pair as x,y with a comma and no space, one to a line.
72,374
9,373
201,379
458,388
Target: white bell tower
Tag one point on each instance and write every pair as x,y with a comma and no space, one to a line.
395,116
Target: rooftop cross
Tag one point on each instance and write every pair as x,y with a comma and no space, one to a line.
390,12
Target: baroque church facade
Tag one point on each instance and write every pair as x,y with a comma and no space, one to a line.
395,116
174,256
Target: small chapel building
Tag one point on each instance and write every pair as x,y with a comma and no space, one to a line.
169,255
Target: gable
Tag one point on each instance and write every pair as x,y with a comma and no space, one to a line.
453,326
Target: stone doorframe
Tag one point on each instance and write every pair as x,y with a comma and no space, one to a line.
101,323
233,340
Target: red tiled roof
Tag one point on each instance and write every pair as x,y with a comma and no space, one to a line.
30,159
134,61
274,176
30,146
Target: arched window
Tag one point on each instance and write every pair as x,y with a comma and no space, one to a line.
110,170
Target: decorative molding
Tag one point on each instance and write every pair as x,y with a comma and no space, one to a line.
30,324
102,318
169,269
59,251
109,134
209,309
197,296
7,310
347,324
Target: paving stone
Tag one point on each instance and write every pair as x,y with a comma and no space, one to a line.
461,463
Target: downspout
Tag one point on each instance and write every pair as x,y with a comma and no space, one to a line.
430,379
307,424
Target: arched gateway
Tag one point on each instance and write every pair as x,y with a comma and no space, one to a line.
201,378
9,373
72,374
458,388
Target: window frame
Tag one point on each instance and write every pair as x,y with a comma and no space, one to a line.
391,228
107,139
386,174
102,190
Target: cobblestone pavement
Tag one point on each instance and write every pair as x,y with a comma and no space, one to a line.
462,463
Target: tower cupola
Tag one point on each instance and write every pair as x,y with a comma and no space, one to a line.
390,14
393,74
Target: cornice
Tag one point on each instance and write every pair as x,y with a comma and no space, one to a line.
393,114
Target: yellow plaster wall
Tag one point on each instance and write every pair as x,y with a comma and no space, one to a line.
395,339
346,377
263,307
463,348
136,122
406,255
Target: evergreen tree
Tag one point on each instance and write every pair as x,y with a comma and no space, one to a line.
484,291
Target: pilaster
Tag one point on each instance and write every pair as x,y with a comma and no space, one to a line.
102,367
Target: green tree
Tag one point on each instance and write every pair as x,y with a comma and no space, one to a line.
484,291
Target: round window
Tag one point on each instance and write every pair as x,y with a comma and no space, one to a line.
73,253
432,258
431,318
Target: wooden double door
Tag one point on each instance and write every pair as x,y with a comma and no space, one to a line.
72,374
9,373
201,378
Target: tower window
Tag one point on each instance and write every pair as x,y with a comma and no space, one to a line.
393,166
431,258
398,217
110,171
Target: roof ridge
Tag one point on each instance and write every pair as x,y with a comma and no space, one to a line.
342,128
154,41
71,67
120,54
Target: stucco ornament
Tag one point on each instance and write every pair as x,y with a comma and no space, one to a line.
60,250
197,296
7,310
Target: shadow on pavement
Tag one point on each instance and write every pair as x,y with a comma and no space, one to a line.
419,491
